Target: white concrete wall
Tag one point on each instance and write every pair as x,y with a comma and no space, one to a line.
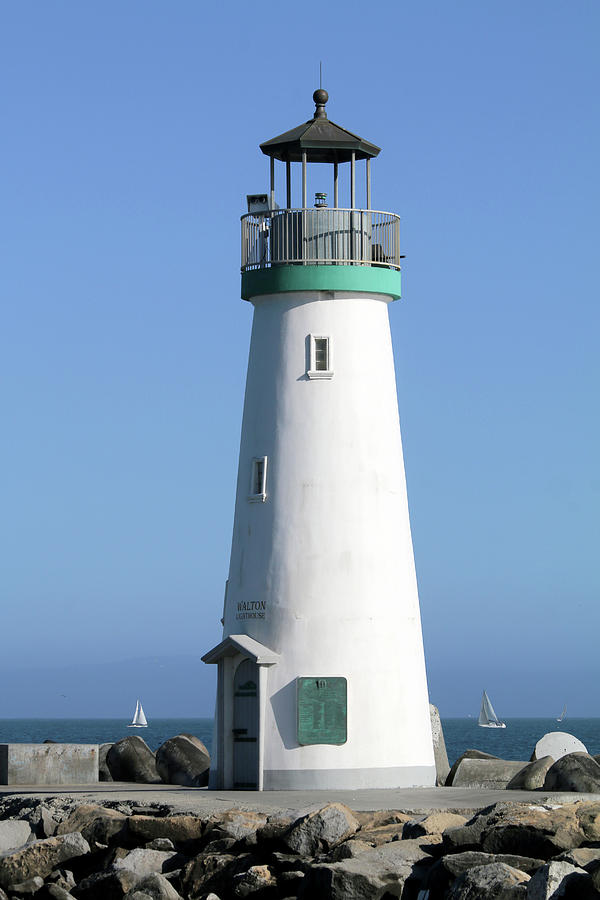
330,549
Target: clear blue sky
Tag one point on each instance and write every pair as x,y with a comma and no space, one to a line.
130,139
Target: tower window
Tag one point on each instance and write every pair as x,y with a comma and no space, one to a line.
319,362
258,479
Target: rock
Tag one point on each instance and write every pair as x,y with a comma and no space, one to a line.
555,879
381,835
349,850
160,844
486,774
557,744
255,879
131,759
458,863
213,872
273,830
157,887
381,871
435,823
13,834
40,857
532,776
103,770
440,755
535,831
321,830
184,831
31,886
588,816
140,863
496,881
104,885
587,858
290,883
183,760
469,836
97,824
574,772
234,823
57,892
381,817
468,754
63,877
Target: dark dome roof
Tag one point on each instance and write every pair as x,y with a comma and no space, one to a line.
323,141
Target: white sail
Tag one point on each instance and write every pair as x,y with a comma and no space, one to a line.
563,713
487,716
139,719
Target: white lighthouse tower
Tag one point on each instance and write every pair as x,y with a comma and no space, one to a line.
321,672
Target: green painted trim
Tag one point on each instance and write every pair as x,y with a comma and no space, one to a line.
283,279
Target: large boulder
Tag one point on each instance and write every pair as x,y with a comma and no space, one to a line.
468,754
210,872
103,770
535,831
185,831
40,857
559,879
321,830
97,824
557,744
532,776
380,872
238,824
140,863
131,759
496,881
486,774
588,816
183,760
434,823
574,772
442,767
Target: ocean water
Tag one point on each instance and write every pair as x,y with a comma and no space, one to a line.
101,731
516,741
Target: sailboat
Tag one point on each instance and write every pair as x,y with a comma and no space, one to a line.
563,713
139,719
487,716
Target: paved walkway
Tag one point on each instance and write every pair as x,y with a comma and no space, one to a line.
202,801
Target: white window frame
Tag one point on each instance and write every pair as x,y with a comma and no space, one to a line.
312,371
262,495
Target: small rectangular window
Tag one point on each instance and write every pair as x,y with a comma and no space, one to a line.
319,352
258,479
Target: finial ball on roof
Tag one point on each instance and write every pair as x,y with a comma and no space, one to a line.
320,97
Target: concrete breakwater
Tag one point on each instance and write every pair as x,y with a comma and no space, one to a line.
61,848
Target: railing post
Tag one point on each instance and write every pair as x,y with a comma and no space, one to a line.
304,204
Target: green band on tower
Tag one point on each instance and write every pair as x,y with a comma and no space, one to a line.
283,279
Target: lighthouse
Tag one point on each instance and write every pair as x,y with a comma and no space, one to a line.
321,671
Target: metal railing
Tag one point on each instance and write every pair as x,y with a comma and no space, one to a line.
321,236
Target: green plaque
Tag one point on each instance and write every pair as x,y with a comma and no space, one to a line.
322,710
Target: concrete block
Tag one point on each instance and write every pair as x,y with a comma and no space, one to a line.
48,763
442,767
486,774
